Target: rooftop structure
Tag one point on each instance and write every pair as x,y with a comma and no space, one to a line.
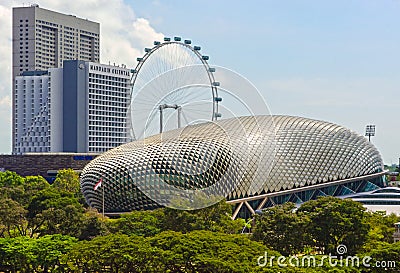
254,162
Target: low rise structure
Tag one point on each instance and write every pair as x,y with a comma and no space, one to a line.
44,164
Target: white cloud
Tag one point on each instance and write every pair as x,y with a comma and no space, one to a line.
5,101
123,35
123,38
5,49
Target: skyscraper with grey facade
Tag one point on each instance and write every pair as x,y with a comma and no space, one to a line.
43,39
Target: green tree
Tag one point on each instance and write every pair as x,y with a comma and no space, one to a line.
206,251
142,223
12,218
24,254
52,212
16,254
214,218
48,250
381,229
93,224
282,229
335,221
16,194
386,256
24,193
114,253
68,180
34,184
10,179
12,186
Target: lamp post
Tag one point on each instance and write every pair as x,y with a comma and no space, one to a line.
370,131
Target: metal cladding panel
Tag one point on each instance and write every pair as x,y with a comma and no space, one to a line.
234,158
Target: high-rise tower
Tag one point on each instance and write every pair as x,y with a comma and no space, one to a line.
43,39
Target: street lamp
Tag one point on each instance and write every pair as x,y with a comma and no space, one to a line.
370,131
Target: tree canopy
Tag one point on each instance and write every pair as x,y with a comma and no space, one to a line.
335,221
49,228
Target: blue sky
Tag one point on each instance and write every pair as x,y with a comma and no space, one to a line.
337,61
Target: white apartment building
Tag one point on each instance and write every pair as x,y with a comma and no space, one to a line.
32,112
109,96
81,108
44,39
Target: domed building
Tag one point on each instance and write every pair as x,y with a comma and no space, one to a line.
253,161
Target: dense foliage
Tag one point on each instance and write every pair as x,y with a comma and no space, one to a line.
49,228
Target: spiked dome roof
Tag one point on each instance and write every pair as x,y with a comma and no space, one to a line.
232,158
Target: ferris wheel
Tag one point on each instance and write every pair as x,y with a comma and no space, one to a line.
172,86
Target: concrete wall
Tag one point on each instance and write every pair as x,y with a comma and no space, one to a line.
42,163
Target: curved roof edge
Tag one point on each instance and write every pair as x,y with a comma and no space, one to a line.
322,185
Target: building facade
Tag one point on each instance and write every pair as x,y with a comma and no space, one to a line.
46,165
96,98
383,200
31,120
254,162
43,39
82,107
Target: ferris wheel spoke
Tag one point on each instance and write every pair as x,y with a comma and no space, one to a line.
197,95
145,102
175,75
184,117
